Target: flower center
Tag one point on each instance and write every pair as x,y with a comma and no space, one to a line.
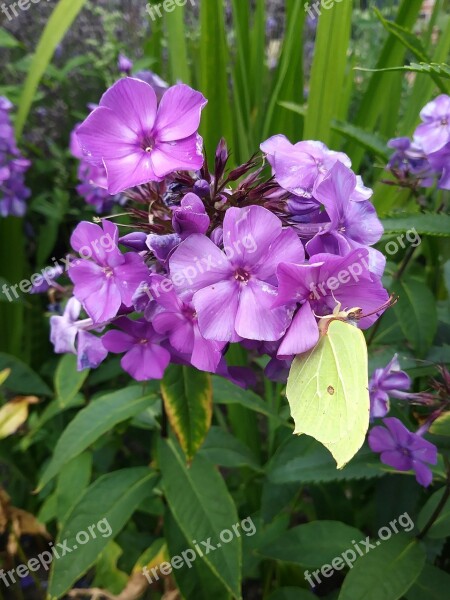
148,143
143,341
444,121
241,275
405,452
108,271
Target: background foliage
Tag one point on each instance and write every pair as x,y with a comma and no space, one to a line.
96,444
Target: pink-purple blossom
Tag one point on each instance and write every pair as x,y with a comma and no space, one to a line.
138,141
403,450
106,278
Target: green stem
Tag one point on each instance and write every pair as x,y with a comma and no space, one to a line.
439,507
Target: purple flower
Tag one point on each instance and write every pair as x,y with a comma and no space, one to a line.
139,142
13,166
386,383
159,85
136,240
300,167
352,224
434,133
319,285
403,449
144,357
93,180
440,162
190,216
179,322
67,329
124,64
104,278
233,290
51,274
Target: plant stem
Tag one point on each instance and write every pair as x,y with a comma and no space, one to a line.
439,507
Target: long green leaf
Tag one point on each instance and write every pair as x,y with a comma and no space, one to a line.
187,395
313,544
202,507
68,380
425,224
57,25
177,49
411,43
97,418
328,70
100,514
214,61
416,313
374,101
386,572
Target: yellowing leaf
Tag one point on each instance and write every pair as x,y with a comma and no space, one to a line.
328,391
4,375
14,414
153,556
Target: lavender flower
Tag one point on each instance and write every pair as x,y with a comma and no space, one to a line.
108,278
13,192
144,357
139,142
425,159
389,382
70,335
403,450
124,64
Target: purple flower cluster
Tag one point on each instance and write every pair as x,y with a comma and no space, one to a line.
214,257
398,447
403,450
93,182
426,158
13,192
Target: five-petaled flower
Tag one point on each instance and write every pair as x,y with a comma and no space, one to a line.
138,141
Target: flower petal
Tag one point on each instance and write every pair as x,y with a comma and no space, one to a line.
179,113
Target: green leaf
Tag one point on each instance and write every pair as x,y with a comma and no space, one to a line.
442,425
107,573
214,61
375,100
103,510
176,42
441,526
225,392
7,40
313,544
187,395
289,74
22,379
59,22
68,380
291,593
424,224
222,448
328,391
72,482
416,302
198,581
303,460
433,584
99,417
370,141
202,508
440,69
328,71
386,572
411,43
